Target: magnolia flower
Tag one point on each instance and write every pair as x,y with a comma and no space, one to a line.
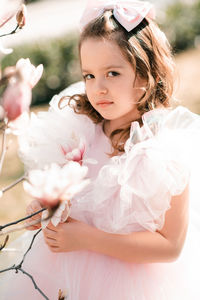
56,136
28,73
18,94
16,99
56,184
60,215
76,153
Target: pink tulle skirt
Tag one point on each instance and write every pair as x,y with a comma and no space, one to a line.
85,275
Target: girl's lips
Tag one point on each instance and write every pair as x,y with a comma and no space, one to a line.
104,103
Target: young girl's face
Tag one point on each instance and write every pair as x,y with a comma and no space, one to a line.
111,85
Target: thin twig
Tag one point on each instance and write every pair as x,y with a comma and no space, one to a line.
3,126
34,283
13,184
5,242
8,269
19,267
23,226
30,246
23,219
20,227
14,267
12,32
3,80
3,148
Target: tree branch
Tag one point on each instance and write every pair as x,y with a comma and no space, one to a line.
23,226
23,219
5,242
13,184
19,267
12,32
34,283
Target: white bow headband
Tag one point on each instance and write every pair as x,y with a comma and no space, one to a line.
128,13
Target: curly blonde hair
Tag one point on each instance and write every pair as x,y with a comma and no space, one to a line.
148,51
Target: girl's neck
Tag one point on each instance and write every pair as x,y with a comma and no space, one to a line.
110,126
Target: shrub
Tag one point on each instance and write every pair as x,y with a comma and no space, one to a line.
61,65
182,24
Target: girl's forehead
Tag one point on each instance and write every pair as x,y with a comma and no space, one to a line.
99,43
101,52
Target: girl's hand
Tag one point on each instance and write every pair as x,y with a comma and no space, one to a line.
33,207
68,236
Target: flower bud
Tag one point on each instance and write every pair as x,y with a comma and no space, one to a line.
16,99
21,79
21,16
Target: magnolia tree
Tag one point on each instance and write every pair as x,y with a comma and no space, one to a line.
54,184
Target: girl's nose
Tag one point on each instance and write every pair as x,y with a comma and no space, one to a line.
101,87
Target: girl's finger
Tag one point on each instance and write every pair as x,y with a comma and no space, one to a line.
51,242
33,227
51,227
49,233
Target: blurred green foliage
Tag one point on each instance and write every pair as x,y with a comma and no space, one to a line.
30,1
61,65
182,24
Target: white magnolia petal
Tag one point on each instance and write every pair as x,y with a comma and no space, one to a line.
91,161
5,50
44,222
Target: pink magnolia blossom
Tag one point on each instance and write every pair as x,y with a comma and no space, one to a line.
76,153
56,184
17,99
18,94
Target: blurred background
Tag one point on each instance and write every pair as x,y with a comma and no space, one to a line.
50,37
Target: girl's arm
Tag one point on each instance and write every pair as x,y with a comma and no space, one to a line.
138,247
147,247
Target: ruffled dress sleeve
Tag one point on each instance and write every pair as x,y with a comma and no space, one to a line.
133,191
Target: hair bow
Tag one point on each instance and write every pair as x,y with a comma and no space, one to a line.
128,13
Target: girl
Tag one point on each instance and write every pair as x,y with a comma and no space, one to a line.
127,237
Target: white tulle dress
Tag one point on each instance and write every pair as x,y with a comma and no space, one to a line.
127,193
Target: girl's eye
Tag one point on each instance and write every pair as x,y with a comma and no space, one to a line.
88,76
113,74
